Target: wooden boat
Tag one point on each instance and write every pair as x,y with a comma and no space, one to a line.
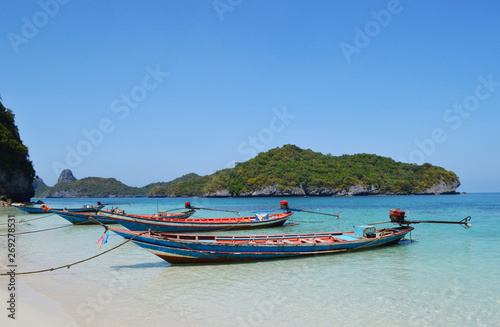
182,248
178,222
45,209
111,217
169,224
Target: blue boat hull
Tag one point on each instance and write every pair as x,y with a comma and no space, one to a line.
198,225
34,210
198,249
105,217
79,219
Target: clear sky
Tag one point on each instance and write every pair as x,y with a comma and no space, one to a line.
147,91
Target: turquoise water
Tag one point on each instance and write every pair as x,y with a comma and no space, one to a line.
449,276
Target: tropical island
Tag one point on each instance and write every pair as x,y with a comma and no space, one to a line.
283,171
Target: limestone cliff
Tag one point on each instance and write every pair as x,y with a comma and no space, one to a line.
66,176
16,170
357,190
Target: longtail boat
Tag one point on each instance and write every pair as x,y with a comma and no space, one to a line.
182,248
169,224
114,216
179,221
46,209
176,222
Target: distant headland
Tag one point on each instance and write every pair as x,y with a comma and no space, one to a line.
282,171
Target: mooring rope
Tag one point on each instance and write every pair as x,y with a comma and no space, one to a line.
75,263
26,221
36,231
44,230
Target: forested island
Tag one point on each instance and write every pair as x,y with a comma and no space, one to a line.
282,171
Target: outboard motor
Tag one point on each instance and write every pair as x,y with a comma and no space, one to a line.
397,216
284,205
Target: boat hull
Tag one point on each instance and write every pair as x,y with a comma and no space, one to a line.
34,210
198,224
83,219
108,217
198,249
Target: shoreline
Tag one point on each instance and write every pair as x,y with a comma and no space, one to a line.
253,197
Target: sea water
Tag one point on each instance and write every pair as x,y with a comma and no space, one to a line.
448,276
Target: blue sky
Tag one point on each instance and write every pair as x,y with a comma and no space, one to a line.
147,91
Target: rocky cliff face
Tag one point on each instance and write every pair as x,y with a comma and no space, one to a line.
442,188
218,194
356,190
72,193
18,187
16,170
66,176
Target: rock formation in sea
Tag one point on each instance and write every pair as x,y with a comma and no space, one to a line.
66,176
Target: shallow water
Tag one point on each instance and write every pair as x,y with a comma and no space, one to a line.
450,276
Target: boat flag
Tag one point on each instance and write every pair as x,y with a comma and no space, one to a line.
103,239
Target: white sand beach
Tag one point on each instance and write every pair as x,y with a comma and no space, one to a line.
32,308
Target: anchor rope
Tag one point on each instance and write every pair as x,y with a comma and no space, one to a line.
26,221
46,229
75,263
37,231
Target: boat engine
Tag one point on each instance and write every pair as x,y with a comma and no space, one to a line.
284,205
397,216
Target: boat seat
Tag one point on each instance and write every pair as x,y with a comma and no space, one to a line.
347,237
